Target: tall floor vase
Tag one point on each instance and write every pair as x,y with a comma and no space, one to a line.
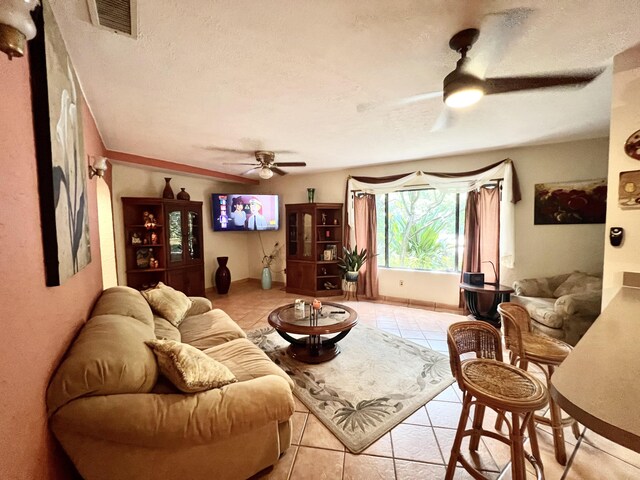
266,278
223,276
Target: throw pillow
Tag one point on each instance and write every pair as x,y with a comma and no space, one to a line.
168,303
578,282
188,368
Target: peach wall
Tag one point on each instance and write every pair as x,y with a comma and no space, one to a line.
38,322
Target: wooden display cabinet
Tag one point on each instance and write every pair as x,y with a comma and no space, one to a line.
166,247
314,241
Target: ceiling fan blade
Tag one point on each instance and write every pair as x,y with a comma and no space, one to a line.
250,170
283,152
534,82
289,164
445,120
236,163
364,107
498,31
229,150
278,171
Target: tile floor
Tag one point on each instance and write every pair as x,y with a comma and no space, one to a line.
419,447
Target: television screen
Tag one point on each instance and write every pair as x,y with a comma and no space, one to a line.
244,211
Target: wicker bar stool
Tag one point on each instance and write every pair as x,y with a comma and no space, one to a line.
487,381
526,347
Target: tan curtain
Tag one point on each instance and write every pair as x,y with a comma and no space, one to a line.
365,234
482,238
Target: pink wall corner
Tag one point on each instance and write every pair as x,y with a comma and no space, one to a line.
38,322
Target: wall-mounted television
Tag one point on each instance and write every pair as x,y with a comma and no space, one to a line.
244,211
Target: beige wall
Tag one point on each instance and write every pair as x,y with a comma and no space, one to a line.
625,120
540,249
132,181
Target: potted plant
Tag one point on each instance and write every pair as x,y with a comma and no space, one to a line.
351,262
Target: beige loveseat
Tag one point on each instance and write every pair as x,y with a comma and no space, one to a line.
562,306
118,419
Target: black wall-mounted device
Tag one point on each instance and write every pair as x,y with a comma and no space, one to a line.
615,236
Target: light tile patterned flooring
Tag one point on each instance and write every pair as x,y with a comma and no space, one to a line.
419,447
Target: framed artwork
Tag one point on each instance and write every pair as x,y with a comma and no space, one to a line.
62,166
629,189
562,203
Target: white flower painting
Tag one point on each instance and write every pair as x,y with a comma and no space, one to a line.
66,239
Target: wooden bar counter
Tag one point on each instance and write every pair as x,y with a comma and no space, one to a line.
599,382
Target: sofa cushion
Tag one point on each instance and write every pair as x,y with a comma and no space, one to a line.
188,368
199,305
578,282
246,360
168,302
209,329
533,287
108,357
541,310
123,301
164,329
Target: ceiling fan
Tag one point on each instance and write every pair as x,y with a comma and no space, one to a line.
265,163
462,87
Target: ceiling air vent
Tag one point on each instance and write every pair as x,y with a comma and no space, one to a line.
119,16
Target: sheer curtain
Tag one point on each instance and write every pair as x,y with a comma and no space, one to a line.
365,237
448,182
482,238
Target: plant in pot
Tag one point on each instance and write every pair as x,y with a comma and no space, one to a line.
351,262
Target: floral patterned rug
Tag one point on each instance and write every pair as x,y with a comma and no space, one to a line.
376,382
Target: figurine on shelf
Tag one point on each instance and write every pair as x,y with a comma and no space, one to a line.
324,218
153,263
135,239
149,220
154,238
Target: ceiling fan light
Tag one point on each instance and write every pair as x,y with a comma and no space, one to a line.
464,97
265,173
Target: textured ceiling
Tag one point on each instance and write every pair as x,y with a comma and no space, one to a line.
289,75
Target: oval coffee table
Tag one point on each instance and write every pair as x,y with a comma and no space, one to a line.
313,348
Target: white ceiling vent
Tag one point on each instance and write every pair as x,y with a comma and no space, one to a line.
119,16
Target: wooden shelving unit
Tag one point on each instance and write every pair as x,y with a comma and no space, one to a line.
177,248
312,230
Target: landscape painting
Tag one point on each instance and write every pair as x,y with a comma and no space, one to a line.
62,167
561,203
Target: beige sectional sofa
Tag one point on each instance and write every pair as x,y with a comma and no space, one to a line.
117,418
561,306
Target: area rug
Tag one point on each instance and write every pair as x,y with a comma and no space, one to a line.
376,382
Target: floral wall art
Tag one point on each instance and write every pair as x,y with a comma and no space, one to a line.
570,202
62,166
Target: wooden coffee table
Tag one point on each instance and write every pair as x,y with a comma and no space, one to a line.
314,347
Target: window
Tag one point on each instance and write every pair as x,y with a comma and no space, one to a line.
421,229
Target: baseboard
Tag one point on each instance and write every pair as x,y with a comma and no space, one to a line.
429,305
246,280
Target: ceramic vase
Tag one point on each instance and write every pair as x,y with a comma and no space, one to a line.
168,191
223,276
311,193
266,278
183,195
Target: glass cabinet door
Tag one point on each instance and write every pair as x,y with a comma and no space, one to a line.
307,245
193,235
176,250
292,221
